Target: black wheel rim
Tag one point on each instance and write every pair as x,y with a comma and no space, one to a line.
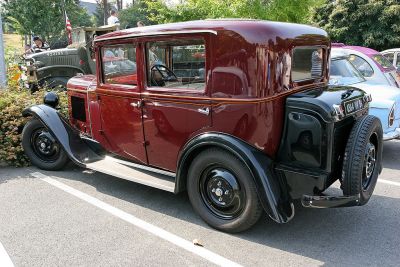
44,145
221,192
369,164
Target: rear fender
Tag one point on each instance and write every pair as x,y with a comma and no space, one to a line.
78,150
270,188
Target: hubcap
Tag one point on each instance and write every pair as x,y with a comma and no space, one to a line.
370,160
221,192
44,145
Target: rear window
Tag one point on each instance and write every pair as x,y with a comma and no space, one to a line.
382,61
307,63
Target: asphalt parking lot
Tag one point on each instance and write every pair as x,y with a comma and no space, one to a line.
77,217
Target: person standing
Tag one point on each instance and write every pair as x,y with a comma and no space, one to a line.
113,19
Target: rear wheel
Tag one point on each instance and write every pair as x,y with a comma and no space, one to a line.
222,191
363,155
41,147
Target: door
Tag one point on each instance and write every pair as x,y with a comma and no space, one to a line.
176,104
120,103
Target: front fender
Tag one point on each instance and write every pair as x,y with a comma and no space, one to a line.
270,188
77,149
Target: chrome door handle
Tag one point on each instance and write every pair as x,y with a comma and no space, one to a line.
137,104
204,111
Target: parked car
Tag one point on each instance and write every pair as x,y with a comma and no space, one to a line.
385,102
53,68
393,55
373,65
248,124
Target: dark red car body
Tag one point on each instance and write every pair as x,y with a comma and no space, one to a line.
265,109
170,118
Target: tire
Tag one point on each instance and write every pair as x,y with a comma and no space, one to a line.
56,84
50,157
212,174
362,158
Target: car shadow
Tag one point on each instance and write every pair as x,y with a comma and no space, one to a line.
348,236
390,154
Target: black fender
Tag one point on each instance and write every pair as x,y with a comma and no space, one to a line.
79,150
271,188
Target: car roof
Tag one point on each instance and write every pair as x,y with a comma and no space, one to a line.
254,31
365,50
391,50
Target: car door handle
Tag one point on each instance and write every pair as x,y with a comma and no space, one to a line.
137,104
204,111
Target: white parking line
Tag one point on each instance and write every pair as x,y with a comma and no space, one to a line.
5,260
388,182
157,231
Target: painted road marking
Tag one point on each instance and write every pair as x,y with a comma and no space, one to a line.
5,260
157,231
388,182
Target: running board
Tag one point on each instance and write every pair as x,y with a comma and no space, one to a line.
141,174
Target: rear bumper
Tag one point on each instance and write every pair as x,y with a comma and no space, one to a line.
392,135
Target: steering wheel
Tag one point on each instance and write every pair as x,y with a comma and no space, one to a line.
166,74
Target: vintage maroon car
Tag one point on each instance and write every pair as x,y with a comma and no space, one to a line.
236,112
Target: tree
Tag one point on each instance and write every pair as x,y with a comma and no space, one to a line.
45,17
281,10
370,23
138,11
101,14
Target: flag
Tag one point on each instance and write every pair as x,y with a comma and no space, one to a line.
68,28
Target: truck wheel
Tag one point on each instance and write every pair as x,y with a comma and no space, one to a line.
41,147
362,158
56,84
222,191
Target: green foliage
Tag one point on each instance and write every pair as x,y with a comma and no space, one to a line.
99,13
13,101
297,11
44,17
370,23
134,13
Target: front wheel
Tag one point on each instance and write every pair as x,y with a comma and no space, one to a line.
362,159
41,147
222,191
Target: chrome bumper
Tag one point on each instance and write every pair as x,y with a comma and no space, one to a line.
392,135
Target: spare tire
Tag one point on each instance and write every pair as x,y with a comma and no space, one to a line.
362,158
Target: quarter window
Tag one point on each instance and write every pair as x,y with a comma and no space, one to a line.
119,64
389,56
398,61
307,63
362,65
178,64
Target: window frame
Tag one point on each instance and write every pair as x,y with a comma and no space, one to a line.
159,89
101,75
323,67
366,61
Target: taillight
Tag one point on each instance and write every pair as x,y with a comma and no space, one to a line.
81,62
391,117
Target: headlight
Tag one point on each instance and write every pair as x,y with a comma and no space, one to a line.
391,117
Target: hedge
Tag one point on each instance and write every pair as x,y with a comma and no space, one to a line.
13,100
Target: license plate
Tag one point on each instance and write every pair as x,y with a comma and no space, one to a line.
353,106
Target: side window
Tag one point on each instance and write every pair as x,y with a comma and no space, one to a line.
178,64
362,65
119,64
307,63
398,61
389,56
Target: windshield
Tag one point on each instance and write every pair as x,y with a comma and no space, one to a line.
78,37
384,62
342,72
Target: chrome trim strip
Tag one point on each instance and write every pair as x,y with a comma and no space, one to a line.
142,167
156,34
